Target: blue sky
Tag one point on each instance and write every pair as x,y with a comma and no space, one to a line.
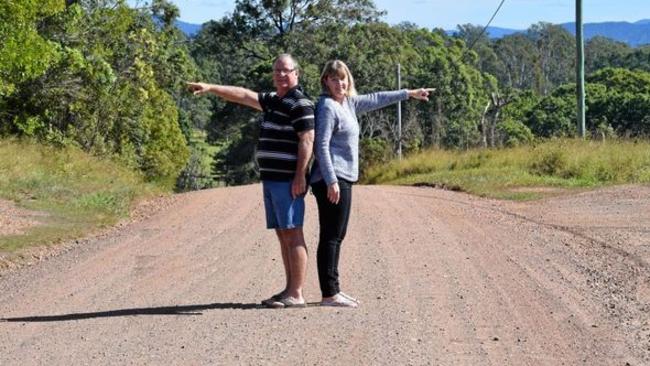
447,14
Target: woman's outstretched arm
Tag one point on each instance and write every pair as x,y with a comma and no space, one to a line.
377,100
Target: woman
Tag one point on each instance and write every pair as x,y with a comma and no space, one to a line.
337,166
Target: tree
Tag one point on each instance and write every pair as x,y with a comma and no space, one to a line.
601,52
490,118
271,19
454,113
639,59
111,87
513,129
554,116
479,42
555,57
621,99
517,53
541,59
24,53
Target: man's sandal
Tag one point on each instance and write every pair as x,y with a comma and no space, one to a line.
274,301
290,302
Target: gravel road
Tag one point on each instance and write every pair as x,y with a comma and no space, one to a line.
444,278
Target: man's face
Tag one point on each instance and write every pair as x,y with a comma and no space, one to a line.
285,75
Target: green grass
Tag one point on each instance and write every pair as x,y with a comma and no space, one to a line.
525,172
77,193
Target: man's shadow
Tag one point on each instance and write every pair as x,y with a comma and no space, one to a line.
163,310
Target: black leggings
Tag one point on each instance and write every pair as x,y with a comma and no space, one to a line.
333,220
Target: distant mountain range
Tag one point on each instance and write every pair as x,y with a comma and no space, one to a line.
634,34
188,28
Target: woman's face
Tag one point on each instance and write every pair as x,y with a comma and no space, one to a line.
337,86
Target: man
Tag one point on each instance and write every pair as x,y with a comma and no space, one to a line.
284,149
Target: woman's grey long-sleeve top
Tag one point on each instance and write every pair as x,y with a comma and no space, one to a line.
337,134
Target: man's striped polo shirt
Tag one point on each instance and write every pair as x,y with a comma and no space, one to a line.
284,118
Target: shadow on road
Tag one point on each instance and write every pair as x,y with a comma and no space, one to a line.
163,310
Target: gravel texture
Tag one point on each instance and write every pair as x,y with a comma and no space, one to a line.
444,279
14,221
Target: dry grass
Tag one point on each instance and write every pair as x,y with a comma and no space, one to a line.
76,193
523,172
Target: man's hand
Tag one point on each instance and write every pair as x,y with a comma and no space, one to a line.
230,93
334,193
198,88
421,94
299,186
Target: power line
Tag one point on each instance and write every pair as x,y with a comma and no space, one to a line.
487,25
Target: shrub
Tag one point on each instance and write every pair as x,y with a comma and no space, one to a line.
373,152
551,162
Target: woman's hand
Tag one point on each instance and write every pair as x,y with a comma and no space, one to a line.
421,94
333,193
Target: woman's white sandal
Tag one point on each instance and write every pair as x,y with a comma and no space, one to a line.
340,301
349,297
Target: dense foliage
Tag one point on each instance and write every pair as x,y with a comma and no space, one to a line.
99,75
109,78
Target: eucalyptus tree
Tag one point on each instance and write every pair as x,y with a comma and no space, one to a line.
452,117
638,59
555,56
517,53
480,42
601,52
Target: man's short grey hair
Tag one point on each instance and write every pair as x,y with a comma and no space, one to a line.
290,57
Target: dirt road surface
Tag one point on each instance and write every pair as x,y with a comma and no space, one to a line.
444,279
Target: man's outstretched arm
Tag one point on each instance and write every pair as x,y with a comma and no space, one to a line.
230,93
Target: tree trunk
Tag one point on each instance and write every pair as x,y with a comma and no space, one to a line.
493,126
436,127
484,128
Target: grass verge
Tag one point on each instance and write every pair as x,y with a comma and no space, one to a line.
522,173
75,192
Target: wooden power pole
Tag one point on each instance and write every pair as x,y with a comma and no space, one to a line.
399,114
580,69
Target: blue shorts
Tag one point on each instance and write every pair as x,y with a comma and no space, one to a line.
282,210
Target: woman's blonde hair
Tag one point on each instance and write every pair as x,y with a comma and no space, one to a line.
337,68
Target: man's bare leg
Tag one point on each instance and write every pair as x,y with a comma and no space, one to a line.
294,241
285,259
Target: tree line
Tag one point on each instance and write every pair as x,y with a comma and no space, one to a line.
110,79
